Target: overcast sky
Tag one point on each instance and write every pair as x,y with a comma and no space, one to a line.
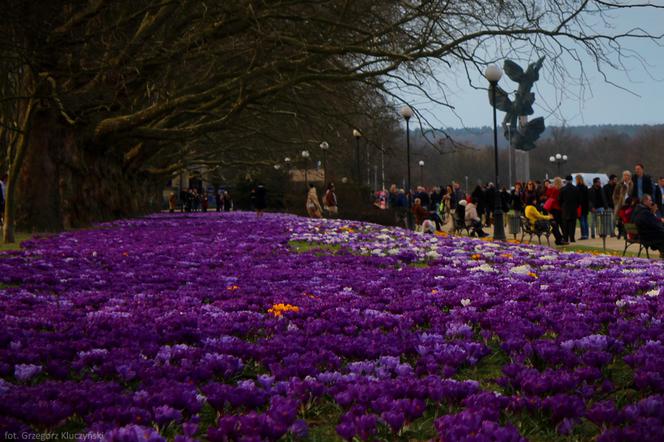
602,103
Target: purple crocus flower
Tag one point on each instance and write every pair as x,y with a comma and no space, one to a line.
24,372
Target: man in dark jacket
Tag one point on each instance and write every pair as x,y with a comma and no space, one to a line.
458,194
569,201
423,195
436,198
584,204
608,193
479,196
597,203
642,183
651,229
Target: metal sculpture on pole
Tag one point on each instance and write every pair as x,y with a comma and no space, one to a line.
520,132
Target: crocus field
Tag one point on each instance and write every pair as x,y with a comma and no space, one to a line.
220,327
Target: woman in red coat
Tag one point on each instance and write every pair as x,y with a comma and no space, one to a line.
551,204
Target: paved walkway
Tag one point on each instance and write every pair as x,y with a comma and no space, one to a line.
612,244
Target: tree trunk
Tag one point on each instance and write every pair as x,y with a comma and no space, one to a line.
67,182
15,158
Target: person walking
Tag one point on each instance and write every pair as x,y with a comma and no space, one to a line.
330,201
228,201
313,205
219,200
584,206
172,202
597,203
260,199
569,204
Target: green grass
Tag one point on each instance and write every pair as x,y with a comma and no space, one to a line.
486,371
304,246
419,264
19,237
322,416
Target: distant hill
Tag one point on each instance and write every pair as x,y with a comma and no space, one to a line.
484,135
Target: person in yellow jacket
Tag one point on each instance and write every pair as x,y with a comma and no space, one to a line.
543,223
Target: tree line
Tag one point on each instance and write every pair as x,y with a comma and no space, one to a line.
101,102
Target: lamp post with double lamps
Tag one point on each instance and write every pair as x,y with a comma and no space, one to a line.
558,159
493,74
406,112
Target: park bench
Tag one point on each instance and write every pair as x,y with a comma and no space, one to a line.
528,229
633,231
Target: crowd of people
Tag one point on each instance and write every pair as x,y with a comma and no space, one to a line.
194,200
556,206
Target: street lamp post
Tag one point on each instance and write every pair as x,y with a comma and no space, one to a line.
493,74
421,163
406,112
558,159
358,172
305,155
324,147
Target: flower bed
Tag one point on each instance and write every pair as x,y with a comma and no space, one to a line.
221,327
